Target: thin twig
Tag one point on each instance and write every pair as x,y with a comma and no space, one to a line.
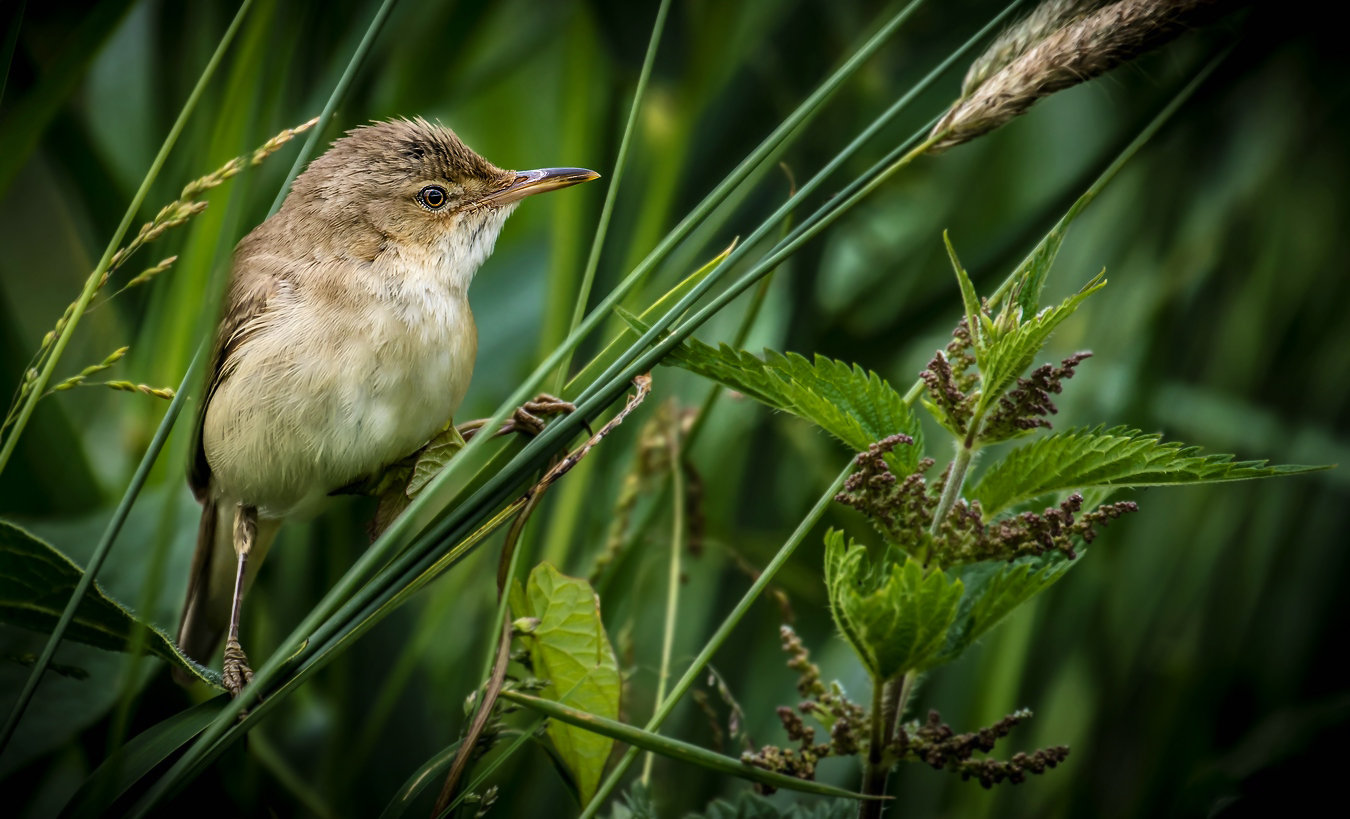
480,721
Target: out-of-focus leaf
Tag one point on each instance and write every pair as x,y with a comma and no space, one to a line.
637,804
431,771
1114,458
993,590
569,648
673,748
750,805
36,582
894,616
853,405
138,757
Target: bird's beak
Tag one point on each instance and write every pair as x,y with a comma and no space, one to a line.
528,183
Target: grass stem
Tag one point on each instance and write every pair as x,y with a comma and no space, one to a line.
607,211
673,581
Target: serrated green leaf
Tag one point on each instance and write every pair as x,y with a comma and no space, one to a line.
36,582
895,616
853,405
993,590
435,456
971,301
1116,458
1010,354
570,650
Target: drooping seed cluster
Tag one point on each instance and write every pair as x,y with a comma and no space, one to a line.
935,743
931,742
1024,407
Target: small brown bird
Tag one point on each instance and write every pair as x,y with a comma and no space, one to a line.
346,343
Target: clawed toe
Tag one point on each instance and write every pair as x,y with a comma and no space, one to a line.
237,673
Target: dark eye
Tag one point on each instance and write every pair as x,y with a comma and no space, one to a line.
433,197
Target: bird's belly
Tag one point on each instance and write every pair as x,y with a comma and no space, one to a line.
308,413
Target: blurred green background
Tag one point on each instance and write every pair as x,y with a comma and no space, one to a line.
1191,662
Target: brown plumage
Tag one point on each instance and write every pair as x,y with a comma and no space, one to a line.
345,343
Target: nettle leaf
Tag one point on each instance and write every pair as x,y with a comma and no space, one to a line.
570,650
852,404
993,590
1012,352
1116,458
36,582
895,617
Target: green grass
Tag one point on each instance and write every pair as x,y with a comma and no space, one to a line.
1188,629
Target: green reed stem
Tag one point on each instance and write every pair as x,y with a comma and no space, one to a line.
438,493
91,284
673,581
665,705
175,406
620,161
339,91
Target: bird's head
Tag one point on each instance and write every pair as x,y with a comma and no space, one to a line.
415,185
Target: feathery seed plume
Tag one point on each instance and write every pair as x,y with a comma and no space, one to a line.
1076,43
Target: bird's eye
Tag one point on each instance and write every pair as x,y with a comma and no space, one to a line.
433,197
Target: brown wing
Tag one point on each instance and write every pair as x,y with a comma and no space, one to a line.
252,286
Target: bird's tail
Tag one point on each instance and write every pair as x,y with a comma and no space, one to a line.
210,592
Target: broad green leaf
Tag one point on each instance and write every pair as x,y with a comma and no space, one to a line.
36,582
138,757
853,405
750,805
672,297
672,748
993,590
894,616
570,650
1115,458
434,457
1011,353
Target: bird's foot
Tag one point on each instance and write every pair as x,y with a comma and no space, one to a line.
528,419
236,672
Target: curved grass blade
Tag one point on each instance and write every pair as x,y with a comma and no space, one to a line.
91,284
138,757
675,749
607,210
430,771
667,705
175,406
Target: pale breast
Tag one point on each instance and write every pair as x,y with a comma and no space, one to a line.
329,392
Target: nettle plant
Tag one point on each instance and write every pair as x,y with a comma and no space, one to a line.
956,556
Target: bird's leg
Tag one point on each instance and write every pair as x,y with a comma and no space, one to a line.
236,671
528,419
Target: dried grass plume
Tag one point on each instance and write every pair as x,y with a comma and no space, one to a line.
1061,44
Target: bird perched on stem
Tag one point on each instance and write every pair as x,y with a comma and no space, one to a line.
346,342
